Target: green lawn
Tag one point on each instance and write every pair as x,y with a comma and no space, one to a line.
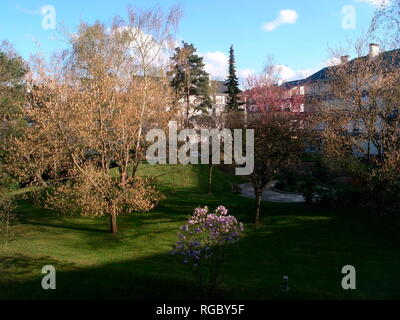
310,245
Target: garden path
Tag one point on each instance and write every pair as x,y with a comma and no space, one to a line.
270,195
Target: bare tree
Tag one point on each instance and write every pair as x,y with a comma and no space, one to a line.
385,25
211,119
360,126
92,107
279,133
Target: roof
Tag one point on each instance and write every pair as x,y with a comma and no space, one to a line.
320,75
294,83
389,59
220,87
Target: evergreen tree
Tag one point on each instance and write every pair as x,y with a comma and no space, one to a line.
12,72
232,84
12,92
188,78
12,97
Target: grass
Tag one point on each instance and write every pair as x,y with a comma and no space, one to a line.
308,244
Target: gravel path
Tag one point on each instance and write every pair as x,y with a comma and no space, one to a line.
247,191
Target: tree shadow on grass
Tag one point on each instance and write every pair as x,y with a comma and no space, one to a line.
70,227
17,268
310,250
20,264
143,279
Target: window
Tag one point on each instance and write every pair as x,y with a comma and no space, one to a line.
356,127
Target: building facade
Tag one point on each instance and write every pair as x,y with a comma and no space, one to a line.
316,90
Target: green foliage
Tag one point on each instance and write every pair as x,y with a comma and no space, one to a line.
8,217
188,77
12,72
7,182
12,97
232,83
291,181
350,195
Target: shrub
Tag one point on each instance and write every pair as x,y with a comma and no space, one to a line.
351,195
7,182
202,245
326,196
8,217
291,181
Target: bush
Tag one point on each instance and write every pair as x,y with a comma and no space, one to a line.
7,182
295,182
321,172
8,217
350,195
202,245
326,195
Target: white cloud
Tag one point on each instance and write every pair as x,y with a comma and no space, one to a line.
289,74
376,3
24,10
331,62
285,17
216,64
157,53
245,73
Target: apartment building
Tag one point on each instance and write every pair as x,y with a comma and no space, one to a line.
218,99
316,89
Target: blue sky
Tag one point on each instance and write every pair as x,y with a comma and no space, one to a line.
296,33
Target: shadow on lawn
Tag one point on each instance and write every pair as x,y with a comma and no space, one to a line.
70,227
308,244
310,250
123,280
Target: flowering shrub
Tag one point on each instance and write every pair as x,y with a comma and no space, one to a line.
202,243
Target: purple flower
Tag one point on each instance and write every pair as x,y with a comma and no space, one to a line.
205,232
222,210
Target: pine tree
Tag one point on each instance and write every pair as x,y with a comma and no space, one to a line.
12,92
12,72
188,78
232,83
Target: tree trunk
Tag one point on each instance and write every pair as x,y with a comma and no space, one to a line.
210,172
258,206
123,178
7,228
113,223
187,110
41,180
